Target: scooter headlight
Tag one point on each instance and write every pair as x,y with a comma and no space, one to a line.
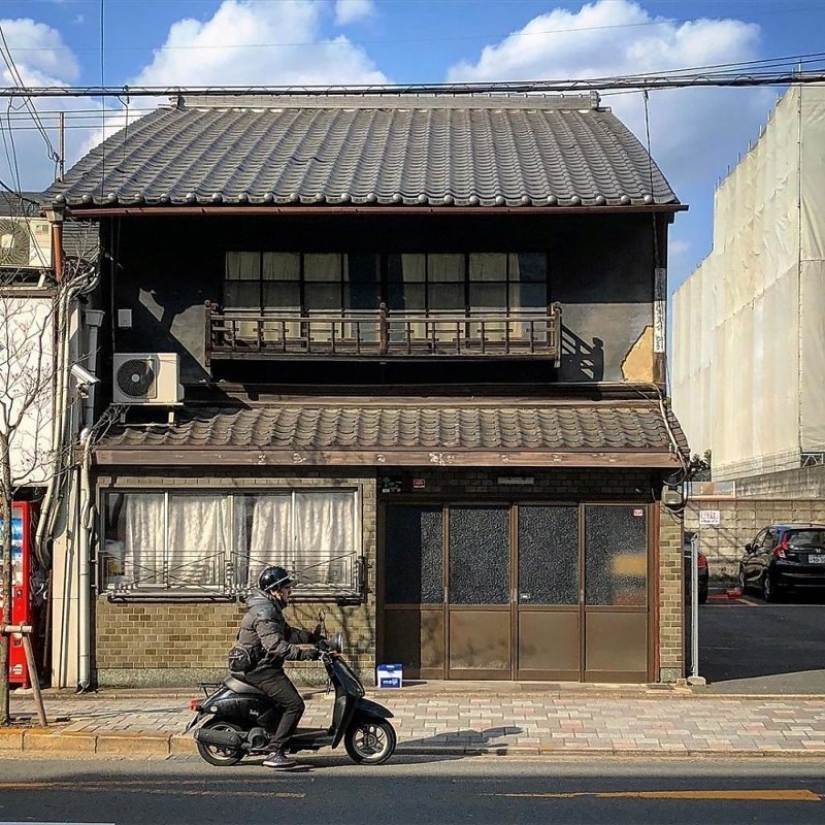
336,642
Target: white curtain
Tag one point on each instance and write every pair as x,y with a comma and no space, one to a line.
270,539
325,538
317,542
197,544
143,539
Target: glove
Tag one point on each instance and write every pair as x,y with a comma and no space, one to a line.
310,655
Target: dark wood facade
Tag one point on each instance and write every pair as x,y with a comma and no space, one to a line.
600,274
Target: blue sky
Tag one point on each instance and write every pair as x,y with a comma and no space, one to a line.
696,134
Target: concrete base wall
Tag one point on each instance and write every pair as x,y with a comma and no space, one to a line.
805,483
739,521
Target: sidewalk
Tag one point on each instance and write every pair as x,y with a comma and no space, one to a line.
459,718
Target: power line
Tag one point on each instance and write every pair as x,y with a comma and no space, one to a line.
626,83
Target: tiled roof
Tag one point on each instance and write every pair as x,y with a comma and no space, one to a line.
405,150
411,425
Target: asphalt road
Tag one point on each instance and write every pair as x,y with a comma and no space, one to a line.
421,790
748,646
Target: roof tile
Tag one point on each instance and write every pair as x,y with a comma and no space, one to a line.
381,149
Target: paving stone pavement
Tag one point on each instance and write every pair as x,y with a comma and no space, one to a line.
487,720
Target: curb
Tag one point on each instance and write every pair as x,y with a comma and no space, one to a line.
161,746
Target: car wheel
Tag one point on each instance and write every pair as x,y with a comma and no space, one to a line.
768,588
703,596
743,585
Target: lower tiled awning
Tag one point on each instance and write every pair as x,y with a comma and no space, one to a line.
411,432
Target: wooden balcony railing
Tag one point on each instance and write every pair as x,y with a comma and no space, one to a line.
382,334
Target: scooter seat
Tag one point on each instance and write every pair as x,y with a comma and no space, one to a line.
238,686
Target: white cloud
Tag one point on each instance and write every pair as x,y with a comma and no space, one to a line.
41,56
42,59
348,11
251,43
227,49
695,133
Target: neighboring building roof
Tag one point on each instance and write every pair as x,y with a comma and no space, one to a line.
407,432
385,150
80,239
20,204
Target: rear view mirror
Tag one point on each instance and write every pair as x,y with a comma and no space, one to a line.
749,548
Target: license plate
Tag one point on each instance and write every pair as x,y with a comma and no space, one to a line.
816,559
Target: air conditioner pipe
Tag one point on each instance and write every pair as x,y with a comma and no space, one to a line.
94,318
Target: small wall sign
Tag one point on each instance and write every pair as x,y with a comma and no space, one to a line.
710,518
419,484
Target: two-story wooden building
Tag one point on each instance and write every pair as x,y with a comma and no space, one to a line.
411,348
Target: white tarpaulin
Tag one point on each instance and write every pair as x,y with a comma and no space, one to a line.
749,335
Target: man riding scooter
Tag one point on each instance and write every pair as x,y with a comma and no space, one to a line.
265,641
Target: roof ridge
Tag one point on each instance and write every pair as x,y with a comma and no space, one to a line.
383,100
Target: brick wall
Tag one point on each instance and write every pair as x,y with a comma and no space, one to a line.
168,643
671,596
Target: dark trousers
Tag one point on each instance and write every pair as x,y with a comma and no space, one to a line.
278,687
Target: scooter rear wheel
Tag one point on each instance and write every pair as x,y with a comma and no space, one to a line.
370,742
219,756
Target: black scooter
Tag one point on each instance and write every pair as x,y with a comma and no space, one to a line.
239,720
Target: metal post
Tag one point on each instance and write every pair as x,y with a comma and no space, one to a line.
694,606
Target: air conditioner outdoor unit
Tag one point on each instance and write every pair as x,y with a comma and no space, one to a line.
146,378
25,243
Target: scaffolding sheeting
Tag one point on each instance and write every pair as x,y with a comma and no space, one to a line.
749,333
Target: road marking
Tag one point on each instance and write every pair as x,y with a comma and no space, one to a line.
747,601
758,795
141,787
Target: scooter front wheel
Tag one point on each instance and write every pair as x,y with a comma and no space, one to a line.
370,742
217,755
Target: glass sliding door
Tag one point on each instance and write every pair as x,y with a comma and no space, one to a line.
479,620
616,593
548,613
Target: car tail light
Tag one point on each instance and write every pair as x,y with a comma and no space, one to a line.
701,561
194,705
779,550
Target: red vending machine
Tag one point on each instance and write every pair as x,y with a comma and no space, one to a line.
23,521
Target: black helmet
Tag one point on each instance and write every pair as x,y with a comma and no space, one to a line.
273,577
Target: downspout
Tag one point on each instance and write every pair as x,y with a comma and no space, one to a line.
85,526
55,218
84,601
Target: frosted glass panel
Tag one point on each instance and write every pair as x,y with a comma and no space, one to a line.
548,555
479,555
414,553
616,555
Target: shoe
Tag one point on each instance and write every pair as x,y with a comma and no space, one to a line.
279,761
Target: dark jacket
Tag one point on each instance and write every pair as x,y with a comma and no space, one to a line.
266,633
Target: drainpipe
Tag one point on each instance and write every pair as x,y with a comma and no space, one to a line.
84,601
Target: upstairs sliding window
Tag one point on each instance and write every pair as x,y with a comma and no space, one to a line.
323,283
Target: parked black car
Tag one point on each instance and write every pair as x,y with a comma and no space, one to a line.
782,557
701,563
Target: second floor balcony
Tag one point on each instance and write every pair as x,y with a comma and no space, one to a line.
242,334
